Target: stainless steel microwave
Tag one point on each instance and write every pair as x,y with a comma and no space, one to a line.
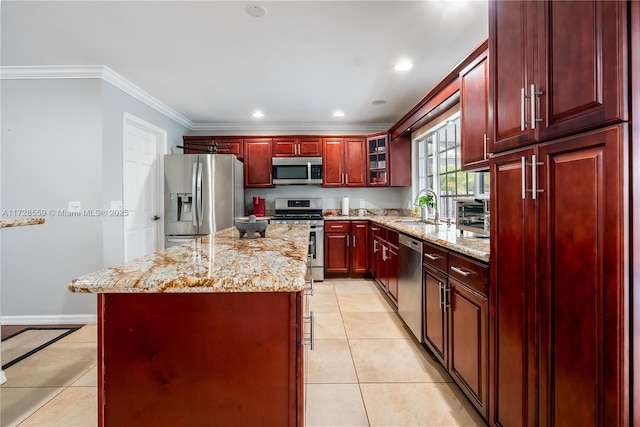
473,215
297,170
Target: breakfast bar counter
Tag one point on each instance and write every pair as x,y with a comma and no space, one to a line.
203,334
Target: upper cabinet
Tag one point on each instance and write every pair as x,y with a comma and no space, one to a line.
257,163
474,114
210,144
343,162
377,160
556,68
309,146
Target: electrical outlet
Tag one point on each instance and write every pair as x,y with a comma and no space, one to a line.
75,206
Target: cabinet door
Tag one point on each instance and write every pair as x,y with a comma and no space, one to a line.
336,253
285,147
582,72
377,162
332,169
354,160
468,337
310,147
359,258
435,324
513,275
582,280
392,272
511,46
230,146
257,162
474,114
399,169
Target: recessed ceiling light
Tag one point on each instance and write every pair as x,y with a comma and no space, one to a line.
338,114
379,102
255,10
403,66
258,114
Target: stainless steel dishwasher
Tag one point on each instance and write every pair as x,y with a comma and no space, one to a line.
410,284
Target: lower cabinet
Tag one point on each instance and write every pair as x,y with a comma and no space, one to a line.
346,248
456,315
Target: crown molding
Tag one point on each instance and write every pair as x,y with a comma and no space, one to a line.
263,128
93,72
108,75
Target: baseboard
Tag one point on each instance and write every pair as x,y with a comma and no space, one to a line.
68,319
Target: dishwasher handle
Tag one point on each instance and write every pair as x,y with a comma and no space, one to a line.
413,244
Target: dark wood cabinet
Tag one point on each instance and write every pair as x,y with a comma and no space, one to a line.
343,162
556,68
557,288
399,161
377,153
194,144
297,146
456,319
346,248
385,260
232,359
257,163
474,114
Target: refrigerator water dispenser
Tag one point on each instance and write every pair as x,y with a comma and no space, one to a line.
180,207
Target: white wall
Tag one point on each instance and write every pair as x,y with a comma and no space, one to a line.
62,141
51,154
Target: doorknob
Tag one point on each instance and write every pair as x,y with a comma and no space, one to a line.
155,218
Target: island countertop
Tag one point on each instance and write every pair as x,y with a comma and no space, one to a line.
220,262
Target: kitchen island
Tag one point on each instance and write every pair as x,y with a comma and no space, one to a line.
206,333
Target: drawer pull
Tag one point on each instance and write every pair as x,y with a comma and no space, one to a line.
460,271
309,341
336,226
431,257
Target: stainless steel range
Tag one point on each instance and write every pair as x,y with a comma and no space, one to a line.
305,211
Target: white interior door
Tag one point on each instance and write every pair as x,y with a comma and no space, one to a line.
142,151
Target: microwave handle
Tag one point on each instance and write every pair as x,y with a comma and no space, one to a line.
309,171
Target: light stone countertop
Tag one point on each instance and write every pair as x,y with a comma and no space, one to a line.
220,262
20,222
445,235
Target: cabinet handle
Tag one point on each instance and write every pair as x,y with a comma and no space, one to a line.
346,178
486,140
384,253
336,226
440,300
447,297
524,173
523,95
309,341
533,106
431,257
347,240
460,271
375,228
534,177
375,246
270,179
354,241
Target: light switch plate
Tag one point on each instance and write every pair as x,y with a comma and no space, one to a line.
75,206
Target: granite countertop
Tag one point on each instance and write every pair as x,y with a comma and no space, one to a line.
20,222
220,262
445,235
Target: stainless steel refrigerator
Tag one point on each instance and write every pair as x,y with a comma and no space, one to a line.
203,193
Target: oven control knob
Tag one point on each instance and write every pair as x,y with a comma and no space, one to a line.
308,222
296,222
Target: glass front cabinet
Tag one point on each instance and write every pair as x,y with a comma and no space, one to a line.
377,165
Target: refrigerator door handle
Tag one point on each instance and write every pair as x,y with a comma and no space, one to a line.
194,193
199,211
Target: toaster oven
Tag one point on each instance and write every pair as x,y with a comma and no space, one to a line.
473,215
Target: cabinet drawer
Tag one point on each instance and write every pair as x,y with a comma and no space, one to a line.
435,256
393,237
337,226
471,273
378,231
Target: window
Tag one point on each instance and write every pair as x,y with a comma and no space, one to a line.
439,162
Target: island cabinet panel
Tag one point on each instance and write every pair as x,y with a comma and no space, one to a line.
557,68
558,285
257,163
205,359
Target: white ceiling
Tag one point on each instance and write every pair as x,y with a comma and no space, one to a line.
214,64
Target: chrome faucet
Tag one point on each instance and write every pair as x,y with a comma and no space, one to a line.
435,203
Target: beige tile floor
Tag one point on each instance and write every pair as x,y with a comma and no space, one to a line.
365,370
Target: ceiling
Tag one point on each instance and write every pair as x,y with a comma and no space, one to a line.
214,64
